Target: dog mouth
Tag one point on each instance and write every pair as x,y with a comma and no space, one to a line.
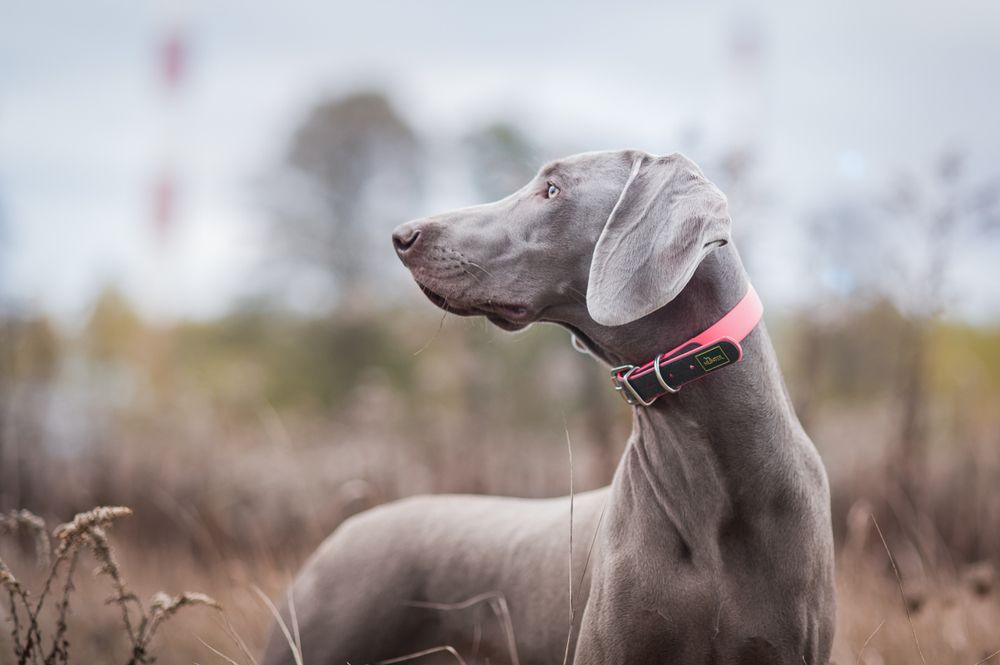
508,316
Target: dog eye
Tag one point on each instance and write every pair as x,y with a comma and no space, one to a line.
552,192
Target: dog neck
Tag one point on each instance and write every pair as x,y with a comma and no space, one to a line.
723,444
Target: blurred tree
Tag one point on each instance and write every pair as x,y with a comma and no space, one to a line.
934,214
35,350
502,159
354,173
113,325
29,359
6,363
3,257
859,259
844,278
114,329
735,169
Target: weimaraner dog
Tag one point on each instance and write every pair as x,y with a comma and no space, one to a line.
713,543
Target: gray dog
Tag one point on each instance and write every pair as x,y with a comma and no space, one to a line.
713,543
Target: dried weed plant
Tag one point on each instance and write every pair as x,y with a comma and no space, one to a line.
35,645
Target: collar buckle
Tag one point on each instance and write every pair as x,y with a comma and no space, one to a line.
624,388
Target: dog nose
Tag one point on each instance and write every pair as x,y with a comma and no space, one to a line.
405,237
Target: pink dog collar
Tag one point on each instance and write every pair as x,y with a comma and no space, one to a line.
715,348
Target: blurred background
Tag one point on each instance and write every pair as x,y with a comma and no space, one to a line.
201,315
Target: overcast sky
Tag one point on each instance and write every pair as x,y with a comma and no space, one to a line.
836,99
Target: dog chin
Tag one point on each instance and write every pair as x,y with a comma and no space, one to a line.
444,303
509,326
507,317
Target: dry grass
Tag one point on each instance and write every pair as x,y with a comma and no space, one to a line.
954,616
941,616
36,642
955,624
956,619
246,510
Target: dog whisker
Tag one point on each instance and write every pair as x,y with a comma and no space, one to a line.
471,274
433,336
476,265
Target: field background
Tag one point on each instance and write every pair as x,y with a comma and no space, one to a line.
221,338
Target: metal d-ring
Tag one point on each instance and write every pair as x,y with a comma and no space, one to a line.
659,377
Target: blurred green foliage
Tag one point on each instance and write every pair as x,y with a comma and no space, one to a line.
284,360
319,365
32,348
259,356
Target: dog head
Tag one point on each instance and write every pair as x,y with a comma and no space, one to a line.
610,235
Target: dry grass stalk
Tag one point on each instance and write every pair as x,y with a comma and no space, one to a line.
17,520
902,595
82,523
497,603
861,654
235,636
99,545
296,652
421,654
294,618
15,593
85,531
989,657
163,606
572,608
217,652
59,651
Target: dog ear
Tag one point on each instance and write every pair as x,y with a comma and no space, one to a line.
667,219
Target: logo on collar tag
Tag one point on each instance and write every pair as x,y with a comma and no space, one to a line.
713,358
